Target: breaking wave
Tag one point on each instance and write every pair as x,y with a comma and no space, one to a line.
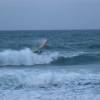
24,79
27,57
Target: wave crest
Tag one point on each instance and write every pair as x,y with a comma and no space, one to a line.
25,57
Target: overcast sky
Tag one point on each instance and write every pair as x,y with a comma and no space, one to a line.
49,14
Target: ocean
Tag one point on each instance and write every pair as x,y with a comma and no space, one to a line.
67,69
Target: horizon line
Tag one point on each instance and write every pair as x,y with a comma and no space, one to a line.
48,29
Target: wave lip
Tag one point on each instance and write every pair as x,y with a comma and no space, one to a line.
25,57
77,59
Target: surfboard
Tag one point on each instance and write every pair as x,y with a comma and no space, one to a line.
36,50
39,50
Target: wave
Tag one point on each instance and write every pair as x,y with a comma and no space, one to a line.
78,59
24,79
27,57
94,46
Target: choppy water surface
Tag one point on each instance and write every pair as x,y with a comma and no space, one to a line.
68,69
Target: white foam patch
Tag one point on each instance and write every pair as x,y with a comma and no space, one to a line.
26,57
25,84
46,78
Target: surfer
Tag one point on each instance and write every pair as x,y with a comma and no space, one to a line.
43,45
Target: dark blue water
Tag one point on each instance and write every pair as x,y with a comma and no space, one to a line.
69,47
67,69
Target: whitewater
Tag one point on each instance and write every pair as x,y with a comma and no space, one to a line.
68,69
27,57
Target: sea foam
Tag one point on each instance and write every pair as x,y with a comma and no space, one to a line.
25,57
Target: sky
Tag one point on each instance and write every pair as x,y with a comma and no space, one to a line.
49,14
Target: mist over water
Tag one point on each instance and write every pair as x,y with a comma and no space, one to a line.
67,69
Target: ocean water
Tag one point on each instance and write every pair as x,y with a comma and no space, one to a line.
68,69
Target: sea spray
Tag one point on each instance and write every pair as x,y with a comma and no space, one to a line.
25,57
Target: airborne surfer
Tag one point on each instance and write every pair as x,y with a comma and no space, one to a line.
43,45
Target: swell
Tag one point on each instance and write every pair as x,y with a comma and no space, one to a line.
27,57
94,46
78,59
